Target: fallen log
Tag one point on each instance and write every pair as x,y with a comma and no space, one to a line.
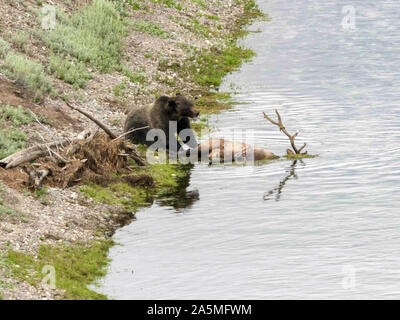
31,154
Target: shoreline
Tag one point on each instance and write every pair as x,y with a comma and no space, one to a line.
73,227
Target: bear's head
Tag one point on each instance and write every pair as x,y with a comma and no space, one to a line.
182,107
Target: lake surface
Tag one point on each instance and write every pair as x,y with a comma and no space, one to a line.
327,227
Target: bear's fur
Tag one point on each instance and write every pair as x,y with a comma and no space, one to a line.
158,116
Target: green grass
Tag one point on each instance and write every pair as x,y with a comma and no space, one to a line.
69,70
93,35
202,124
122,5
119,90
135,77
169,4
201,3
11,141
128,197
198,28
76,267
209,67
5,210
209,16
6,271
28,73
20,40
132,198
16,115
149,28
4,48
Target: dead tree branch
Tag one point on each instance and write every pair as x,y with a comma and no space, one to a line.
133,154
130,131
30,154
291,137
107,130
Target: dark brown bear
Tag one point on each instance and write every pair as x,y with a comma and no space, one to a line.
158,116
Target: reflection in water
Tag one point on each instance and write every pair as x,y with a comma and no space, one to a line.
179,197
278,190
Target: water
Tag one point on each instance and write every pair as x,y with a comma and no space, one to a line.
327,227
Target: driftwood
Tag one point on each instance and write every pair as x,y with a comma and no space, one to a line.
30,154
297,151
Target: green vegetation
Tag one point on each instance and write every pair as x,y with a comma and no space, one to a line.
122,5
149,28
93,35
20,40
200,3
11,141
131,198
120,89
41,195
4,48
5,210
28,73
169,4
198,28
214,64
69,70
209,16
75,267
16,115
4,267
135,77
201,125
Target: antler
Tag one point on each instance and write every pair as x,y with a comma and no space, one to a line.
291,137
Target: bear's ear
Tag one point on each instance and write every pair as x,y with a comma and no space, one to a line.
178,94
171,106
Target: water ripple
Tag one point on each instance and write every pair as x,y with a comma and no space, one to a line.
290,229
